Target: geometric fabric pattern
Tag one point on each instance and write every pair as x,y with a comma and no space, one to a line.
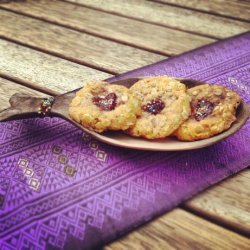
62,189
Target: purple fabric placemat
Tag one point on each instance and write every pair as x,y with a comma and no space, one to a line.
60,188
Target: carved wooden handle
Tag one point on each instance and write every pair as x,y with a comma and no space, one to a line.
22,106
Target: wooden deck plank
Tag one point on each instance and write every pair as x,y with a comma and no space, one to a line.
227,203
124,30
74,45
170,16
40,70
232,9
180,230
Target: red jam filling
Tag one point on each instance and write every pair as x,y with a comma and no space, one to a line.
202,109
154,107
106,103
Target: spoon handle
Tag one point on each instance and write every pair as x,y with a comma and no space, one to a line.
22,105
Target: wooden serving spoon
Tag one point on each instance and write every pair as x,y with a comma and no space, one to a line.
24,106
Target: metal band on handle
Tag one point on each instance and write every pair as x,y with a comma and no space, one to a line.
46,106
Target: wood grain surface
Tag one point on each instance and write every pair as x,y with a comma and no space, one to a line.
42,71
170,16
180,230
136,33
73,45
227,203
56,46
233,9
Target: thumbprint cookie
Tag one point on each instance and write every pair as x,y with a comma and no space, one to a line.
213,111
165,106
100,106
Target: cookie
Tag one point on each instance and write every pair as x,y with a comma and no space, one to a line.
101,106
165,106
213,111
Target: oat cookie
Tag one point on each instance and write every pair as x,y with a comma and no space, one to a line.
101,106
165,105
213,111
